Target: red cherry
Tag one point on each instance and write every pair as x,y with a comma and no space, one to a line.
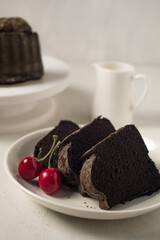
29,167
50,180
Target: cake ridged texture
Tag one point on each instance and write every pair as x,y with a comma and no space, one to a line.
20,57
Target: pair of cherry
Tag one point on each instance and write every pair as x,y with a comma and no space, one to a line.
32,167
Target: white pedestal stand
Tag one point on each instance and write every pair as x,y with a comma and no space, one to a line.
28,105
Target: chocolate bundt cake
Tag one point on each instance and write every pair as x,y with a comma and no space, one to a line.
73,146
119,169
20,58
63,129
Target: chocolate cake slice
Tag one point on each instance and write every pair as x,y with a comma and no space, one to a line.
74,146
20,56
119,169
63,129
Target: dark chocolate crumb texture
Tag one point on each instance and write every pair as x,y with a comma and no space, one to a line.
62,130
119,169
76,144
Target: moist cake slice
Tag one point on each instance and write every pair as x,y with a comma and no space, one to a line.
63,129
119,169
76,144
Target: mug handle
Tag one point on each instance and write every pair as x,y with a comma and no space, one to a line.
147,84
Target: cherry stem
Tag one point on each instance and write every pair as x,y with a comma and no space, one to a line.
50,157
50,151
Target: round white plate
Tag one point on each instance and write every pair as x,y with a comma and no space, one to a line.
53,82
68,201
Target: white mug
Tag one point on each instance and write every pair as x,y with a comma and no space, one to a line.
113,98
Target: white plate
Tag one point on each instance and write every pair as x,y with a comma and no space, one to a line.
68,201
53,82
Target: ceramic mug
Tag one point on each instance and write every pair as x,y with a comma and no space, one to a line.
113,98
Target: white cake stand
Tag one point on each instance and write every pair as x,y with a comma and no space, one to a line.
28,105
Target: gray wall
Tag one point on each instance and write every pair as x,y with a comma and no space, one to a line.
89,30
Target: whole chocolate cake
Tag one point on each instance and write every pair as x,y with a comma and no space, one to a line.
119,169
73,147
63,129
20,57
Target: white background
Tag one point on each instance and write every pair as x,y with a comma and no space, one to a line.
89,30
82,32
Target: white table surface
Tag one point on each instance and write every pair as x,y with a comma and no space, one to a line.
21,218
